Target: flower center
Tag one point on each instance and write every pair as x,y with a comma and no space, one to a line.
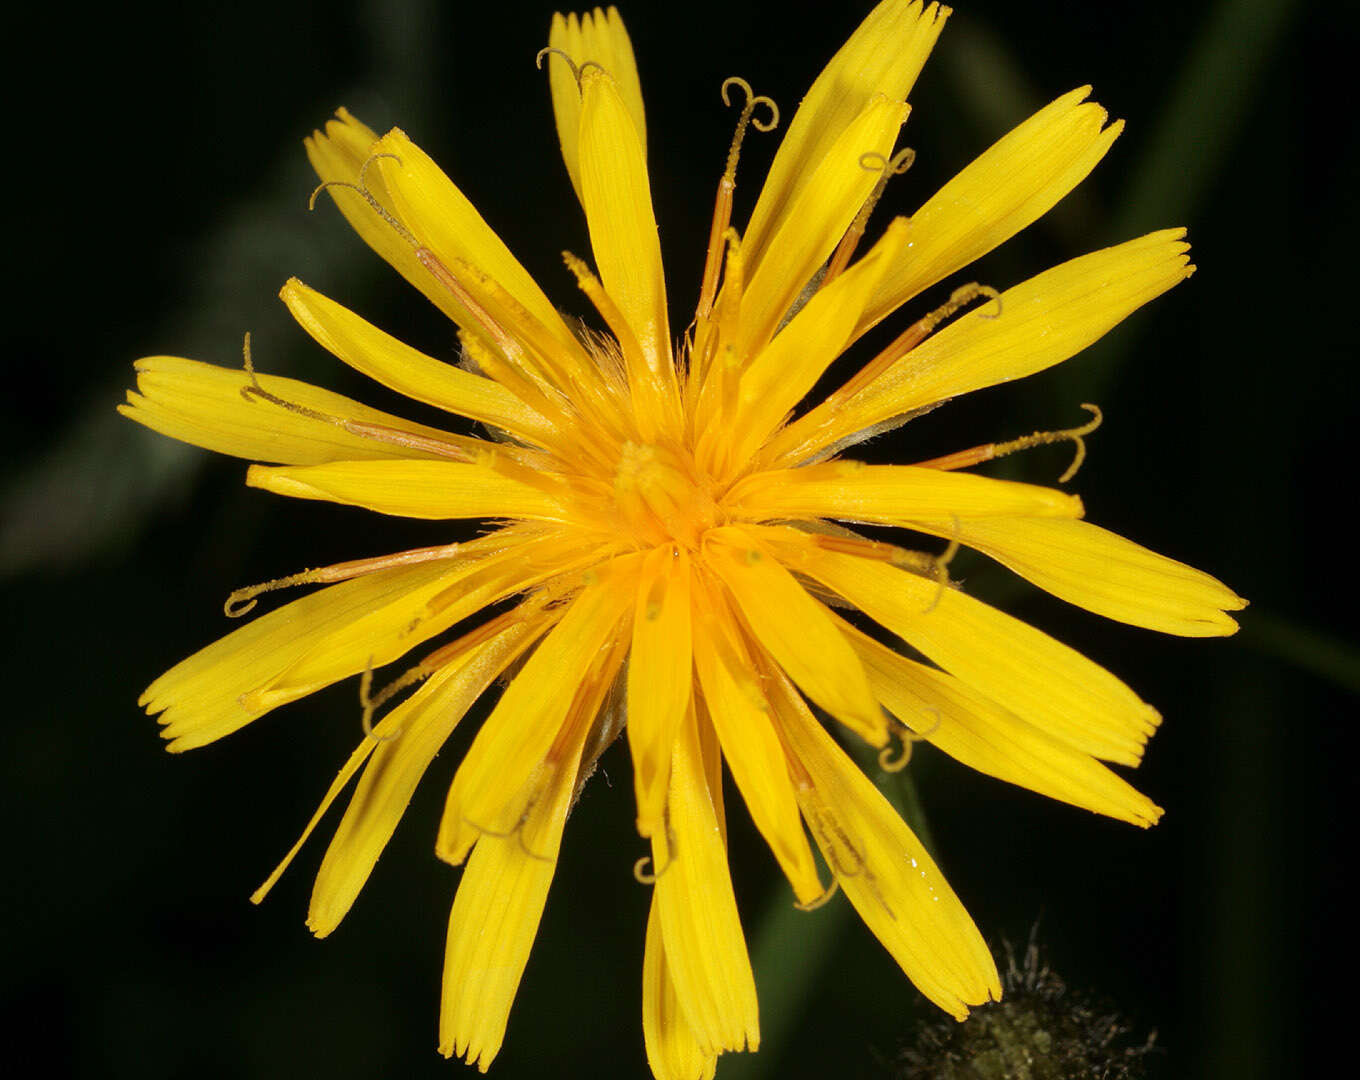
662,497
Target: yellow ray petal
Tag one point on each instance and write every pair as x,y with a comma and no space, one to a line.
1102,572
411,735
199,698
1023,670
796,630
618,203
786,369
828,200
599,38
202,404
340,155
1012,184
1041,323
704,944
419,489
406,370
741,717
380,636
986,737
673,1050
889,494
660,677
500,903
883,56
443,220
525,723
884,870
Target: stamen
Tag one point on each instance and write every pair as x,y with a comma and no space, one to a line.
577,71
723,326
494,366
550,50
821,901
634,360
912,336
410,677
517,832
942,562
752,100
361,189
963,459
722,206
862,548
874,161
243,600
908,740
366,703
835,842
890,764
361,428
646,877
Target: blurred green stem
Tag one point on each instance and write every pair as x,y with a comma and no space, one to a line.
1204,115
1303,648
908,803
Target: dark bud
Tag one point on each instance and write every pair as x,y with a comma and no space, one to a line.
1040,1030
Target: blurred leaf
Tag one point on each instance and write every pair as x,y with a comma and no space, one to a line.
1204,114
995,92
1302,647
103,477
790,953
1201,123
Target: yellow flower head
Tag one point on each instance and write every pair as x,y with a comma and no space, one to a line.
671,550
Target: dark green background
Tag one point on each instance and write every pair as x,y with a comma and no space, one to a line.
157,199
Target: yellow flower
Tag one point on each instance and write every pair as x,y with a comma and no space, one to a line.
666,545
